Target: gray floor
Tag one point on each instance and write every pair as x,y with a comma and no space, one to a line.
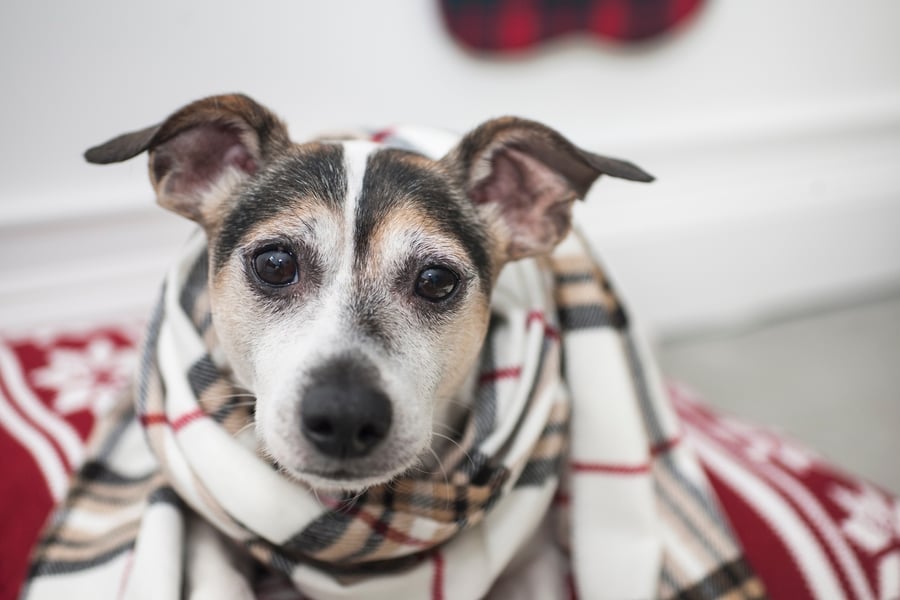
829,378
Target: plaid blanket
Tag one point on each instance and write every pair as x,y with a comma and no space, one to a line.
175,495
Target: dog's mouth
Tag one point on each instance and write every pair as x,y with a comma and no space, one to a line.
335,474
331,451
352,474
341,479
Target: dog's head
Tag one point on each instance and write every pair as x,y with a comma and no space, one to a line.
350,283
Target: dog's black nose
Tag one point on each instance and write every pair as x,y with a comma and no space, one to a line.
344,413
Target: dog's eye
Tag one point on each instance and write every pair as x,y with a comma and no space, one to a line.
275,267
436,283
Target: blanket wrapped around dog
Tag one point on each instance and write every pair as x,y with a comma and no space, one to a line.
568,468
566,479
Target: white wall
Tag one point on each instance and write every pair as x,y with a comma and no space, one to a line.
774,129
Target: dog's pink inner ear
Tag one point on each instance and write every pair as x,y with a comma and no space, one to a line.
534,201
198,156
189,164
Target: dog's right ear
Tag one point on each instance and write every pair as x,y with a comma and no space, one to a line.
201,152
524,178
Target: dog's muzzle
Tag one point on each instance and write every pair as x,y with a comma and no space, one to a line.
344,413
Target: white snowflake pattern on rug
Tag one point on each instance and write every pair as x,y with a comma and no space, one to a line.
873,524
86,379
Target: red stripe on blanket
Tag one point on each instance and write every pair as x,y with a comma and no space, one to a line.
187,419
613,469
382,528
655,450
570,586
587,467
504,373
377,525
437,582
152,419
176,424
549,331
126,573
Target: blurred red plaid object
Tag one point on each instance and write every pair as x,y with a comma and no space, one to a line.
511,25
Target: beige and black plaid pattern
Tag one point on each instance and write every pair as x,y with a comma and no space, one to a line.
586,300
381,528
376,526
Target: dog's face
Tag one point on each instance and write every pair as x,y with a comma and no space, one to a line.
350,283
350,291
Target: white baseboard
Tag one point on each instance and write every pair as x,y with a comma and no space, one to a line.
86,269
774,220
738,225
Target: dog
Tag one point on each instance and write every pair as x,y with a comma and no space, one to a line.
351,282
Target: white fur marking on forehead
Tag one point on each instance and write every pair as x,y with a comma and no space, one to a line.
356,156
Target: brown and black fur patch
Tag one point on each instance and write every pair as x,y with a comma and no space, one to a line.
308,173
396,179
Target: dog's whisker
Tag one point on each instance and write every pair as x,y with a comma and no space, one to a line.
460,403
444,473
446,437
420,469
448,428
457,444
440,465
345,505
244,428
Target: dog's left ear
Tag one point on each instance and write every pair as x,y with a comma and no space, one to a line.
201,151
528,176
